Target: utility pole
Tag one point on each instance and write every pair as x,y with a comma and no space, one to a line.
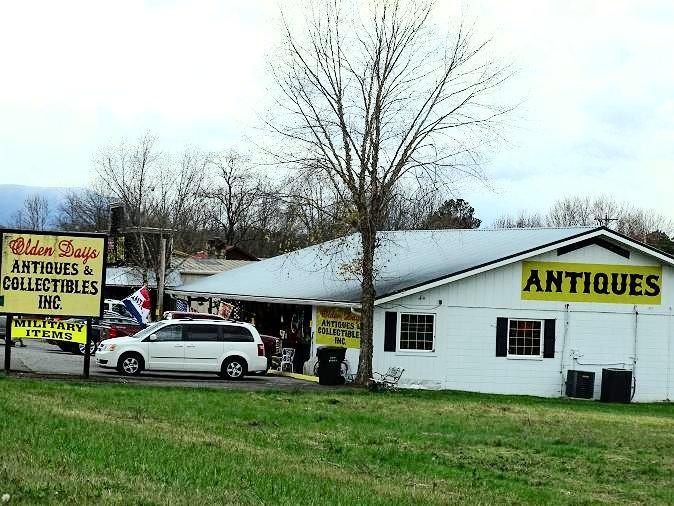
605,220
162,278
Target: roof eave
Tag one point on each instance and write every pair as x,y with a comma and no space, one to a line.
259,298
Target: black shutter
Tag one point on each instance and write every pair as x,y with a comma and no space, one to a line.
549,339
501,337
390,324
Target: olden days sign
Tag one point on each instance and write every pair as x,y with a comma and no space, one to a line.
51,274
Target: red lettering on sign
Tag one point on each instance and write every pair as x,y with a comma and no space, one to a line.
20,246
66,249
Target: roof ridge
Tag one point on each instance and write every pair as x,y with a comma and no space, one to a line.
493,229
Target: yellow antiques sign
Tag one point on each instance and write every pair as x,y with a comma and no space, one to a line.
49,274
574,282
72,331
336,326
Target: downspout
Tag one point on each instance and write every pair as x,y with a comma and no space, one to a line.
669,355
634,357
561,362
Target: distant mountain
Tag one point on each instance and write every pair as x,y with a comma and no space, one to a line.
12,197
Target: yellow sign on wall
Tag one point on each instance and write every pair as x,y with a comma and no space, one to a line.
575,282
71,331
336,326
47,274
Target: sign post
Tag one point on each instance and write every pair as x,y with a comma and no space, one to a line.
51,274
87,356
8,344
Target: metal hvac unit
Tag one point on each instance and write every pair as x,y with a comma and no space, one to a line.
580,384
616,385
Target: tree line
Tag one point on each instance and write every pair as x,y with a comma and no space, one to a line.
642,224
198,195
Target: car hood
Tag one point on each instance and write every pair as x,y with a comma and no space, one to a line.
122,340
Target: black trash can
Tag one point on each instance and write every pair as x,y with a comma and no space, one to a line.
616,385
330,365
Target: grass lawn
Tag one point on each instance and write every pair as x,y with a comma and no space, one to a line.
115,444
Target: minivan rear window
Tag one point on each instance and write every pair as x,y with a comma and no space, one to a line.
236,334
201,332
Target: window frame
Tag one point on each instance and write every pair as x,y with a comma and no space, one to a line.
165,327
399,330
242,331
186,330
542,340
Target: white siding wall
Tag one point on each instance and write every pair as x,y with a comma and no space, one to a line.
598,334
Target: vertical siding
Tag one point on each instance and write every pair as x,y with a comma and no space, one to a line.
597,335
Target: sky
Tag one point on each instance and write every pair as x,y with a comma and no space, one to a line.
596,81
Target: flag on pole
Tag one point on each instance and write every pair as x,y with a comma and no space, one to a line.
181,305
138,304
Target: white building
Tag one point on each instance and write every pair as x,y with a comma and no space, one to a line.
501,311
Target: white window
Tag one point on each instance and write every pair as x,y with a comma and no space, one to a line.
525,338
417,332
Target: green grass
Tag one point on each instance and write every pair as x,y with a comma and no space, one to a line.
113,444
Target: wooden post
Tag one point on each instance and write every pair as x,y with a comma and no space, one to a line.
8,344
87,356
162,279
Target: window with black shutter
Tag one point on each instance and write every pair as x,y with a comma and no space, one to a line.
524,338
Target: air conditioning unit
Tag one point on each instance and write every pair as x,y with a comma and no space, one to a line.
580,384
616,385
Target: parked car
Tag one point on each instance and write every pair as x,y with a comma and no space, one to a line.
272,348
110,326
227,348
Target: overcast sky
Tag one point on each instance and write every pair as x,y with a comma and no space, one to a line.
597,77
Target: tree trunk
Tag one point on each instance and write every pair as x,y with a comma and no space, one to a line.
368,242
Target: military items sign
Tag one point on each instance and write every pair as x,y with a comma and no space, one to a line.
337,326
71,331
575,282
51,274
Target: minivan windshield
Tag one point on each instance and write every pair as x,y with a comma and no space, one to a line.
150,329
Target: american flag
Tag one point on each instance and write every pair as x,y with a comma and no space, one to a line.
181,305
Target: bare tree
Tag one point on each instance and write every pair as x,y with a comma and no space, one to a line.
84,210
34,215
523,219
234,195
376,100
162,196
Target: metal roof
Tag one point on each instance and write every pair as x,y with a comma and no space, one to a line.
206,265
132,276
404,260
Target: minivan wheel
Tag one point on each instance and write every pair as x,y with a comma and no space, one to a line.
130,364
234,368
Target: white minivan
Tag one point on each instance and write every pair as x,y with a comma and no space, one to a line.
227,348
